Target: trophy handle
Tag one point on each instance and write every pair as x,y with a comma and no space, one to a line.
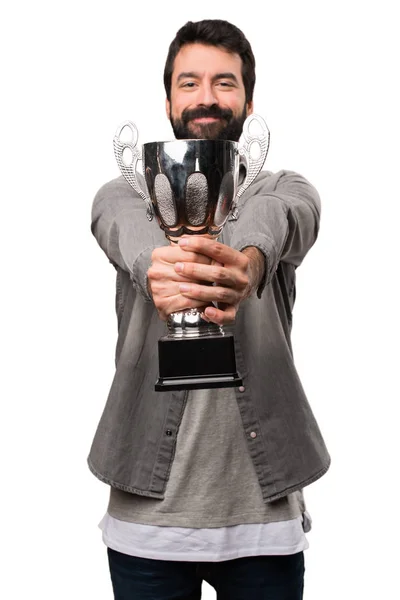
129,170
253,165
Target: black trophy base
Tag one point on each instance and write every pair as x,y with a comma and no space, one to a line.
197,363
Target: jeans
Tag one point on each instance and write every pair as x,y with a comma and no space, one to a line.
250,578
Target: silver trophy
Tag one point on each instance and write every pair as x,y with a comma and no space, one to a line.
193,188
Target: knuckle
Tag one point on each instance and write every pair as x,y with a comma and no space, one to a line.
194,273
188,268
224,294
155,254
158,302
161,289
191,257
151,272
204,260
243,281
156,271
153,285
219,274
245,261
218,249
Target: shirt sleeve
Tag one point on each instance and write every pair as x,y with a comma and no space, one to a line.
124,233
279,215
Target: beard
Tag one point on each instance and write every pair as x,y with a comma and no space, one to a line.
228,127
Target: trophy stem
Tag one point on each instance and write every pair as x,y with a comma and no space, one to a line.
191,324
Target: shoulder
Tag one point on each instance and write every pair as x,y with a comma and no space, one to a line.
283,182
267,181
118,186
118,191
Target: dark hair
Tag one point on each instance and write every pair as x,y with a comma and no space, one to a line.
213,33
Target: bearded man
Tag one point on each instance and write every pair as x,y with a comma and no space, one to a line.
208,484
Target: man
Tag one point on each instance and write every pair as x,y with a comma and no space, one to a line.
207,484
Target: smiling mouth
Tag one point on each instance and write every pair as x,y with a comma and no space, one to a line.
205,120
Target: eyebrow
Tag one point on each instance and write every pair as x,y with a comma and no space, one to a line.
193,74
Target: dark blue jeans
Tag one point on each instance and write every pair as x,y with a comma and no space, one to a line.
251,578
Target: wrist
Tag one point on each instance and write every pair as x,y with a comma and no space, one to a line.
256,268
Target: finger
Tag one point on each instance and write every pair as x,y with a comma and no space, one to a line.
221,317
224,276
178,303
173,254
163,292
165,272
209,293
215,263
215,250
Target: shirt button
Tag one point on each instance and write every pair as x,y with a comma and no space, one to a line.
168,432
253,435
241,388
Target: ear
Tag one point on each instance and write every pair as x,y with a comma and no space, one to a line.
168,108
249,107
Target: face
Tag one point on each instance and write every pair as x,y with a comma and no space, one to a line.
208,99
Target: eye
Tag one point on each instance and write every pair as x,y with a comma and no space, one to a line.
188,84
226,84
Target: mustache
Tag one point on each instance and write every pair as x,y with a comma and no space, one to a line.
213,111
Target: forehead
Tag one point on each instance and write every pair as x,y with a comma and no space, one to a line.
206,60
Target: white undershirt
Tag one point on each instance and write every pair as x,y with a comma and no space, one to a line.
206,545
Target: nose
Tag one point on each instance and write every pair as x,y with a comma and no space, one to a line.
206,95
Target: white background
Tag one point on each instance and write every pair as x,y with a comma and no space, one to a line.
327,76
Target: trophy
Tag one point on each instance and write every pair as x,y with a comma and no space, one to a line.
192,189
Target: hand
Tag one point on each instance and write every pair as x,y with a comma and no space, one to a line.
234,274
164,280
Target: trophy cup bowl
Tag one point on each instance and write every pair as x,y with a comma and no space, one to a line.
192,189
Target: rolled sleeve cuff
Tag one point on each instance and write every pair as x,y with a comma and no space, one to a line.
266,247
139,272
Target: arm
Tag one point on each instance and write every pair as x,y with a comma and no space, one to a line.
139,247
122,230
279,214
278,221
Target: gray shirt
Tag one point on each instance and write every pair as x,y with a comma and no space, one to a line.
212,481
134,445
